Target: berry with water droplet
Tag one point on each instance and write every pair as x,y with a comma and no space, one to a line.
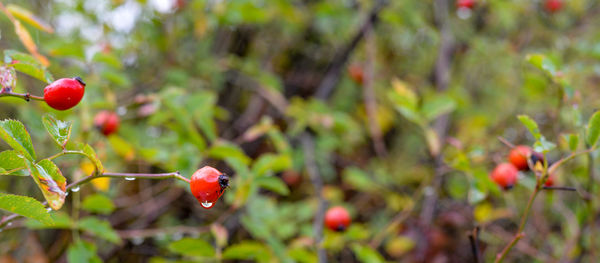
64,94
337,218
207,185
107,122
505,175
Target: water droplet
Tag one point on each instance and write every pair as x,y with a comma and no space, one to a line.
9,224
207,204
75,189
463,13
137,241
49,209
129,178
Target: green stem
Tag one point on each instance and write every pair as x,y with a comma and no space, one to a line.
25,96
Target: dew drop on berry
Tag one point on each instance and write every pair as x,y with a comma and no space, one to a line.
129,178
206,204
75,189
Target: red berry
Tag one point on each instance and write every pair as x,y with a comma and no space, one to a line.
553,6
465,4
505,175
64,94
106,122
356,73
518,157
337,218
207,185
549,181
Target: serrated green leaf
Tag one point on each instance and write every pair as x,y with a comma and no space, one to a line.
247,250
50,180
98,203
273,183
61,220
366,254
28,17
572,140
25,206
531,125
593,129
542,62
223,150
271,163
60,131
82,251
27,64
437,106
91,155
192,247
10,160
99,228
14,134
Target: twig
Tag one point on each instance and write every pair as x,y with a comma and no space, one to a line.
506,142
333,74
369,94
25,96
315,178
560,188
474,240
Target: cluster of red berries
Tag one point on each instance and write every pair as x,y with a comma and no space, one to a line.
551,6
505,174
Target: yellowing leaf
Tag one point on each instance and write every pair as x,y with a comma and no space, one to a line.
28,42
29,18
121,147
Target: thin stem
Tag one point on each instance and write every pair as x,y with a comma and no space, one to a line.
25,96
506,142
64,152
520,233
560,188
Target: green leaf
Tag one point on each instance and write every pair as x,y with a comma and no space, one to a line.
543,145
122,147
192,247
91,155
359,180
248,250
437,106
108,59
224,150
29,18
273,183
27,64
572,140
14,134
61,221
271,163
10,160
593,129
302,255
58,130
542,62
98,203
99,228
82,251
531,125
50,180
25,206
366,254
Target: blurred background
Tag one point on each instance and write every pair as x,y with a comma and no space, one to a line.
390,109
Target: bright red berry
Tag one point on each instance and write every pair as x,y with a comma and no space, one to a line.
505,175
337,218
207,185
64,94
465,4
356,73
518,157
553,6
107,122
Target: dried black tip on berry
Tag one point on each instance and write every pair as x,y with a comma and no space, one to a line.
223,180
80,80
508,187
340,228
